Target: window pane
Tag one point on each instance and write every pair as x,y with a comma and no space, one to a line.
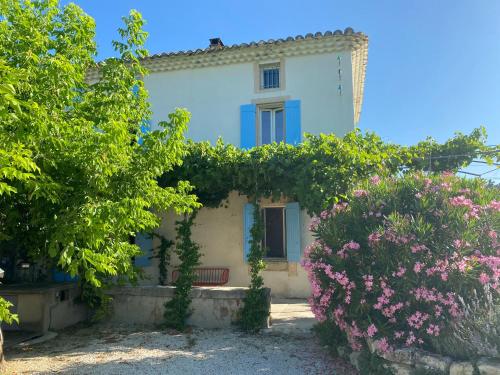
274,236
279,129
270,78
276,78
266,127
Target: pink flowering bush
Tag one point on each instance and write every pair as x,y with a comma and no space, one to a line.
393,264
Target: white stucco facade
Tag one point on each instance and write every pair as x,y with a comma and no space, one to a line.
213,95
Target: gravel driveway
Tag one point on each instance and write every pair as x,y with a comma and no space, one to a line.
105,350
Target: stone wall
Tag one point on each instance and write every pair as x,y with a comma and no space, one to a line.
408,361
213,307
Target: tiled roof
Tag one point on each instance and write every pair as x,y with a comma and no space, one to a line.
347,32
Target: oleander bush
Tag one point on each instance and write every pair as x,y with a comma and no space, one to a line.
400,261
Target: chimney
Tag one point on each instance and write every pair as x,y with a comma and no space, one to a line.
216,43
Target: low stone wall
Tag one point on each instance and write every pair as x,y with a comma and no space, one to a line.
408,361
44,307
212,307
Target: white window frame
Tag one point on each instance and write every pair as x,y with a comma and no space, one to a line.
264,67
283,207
273,109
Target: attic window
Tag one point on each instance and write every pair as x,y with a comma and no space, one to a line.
270,76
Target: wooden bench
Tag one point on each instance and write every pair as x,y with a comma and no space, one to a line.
207,276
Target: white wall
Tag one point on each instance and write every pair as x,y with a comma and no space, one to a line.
219,232
213,95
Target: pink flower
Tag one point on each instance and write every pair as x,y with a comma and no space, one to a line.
372,330
418,267
462,265
418,248
446,186
401,271
375,180
374,238
484,278
339,207
433,330
368,280
461,201
438,310
327,250
411,339
324,214
417,319
495,205
353,245
360,193
383,345
348,246
313,225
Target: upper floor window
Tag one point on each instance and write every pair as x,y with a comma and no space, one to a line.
270,76
272,125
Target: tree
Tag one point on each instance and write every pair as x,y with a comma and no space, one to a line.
78,162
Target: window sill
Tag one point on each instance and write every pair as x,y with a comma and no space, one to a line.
271,89
276,264
280,265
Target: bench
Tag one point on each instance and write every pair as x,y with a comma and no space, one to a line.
207,276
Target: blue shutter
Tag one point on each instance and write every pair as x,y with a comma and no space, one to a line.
293,131
293,230
145,242
247,123
247,226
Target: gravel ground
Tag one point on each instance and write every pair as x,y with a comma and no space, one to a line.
105,350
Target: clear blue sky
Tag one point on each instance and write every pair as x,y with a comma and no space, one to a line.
433,65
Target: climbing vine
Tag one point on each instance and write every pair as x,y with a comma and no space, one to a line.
177,309
255,311
163,254
319,171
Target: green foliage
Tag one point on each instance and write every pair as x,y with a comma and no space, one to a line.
97,300
330,335
316,173
163,255
5,314
177,309
78,175
255,311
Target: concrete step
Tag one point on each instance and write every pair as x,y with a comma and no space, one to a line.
291,317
